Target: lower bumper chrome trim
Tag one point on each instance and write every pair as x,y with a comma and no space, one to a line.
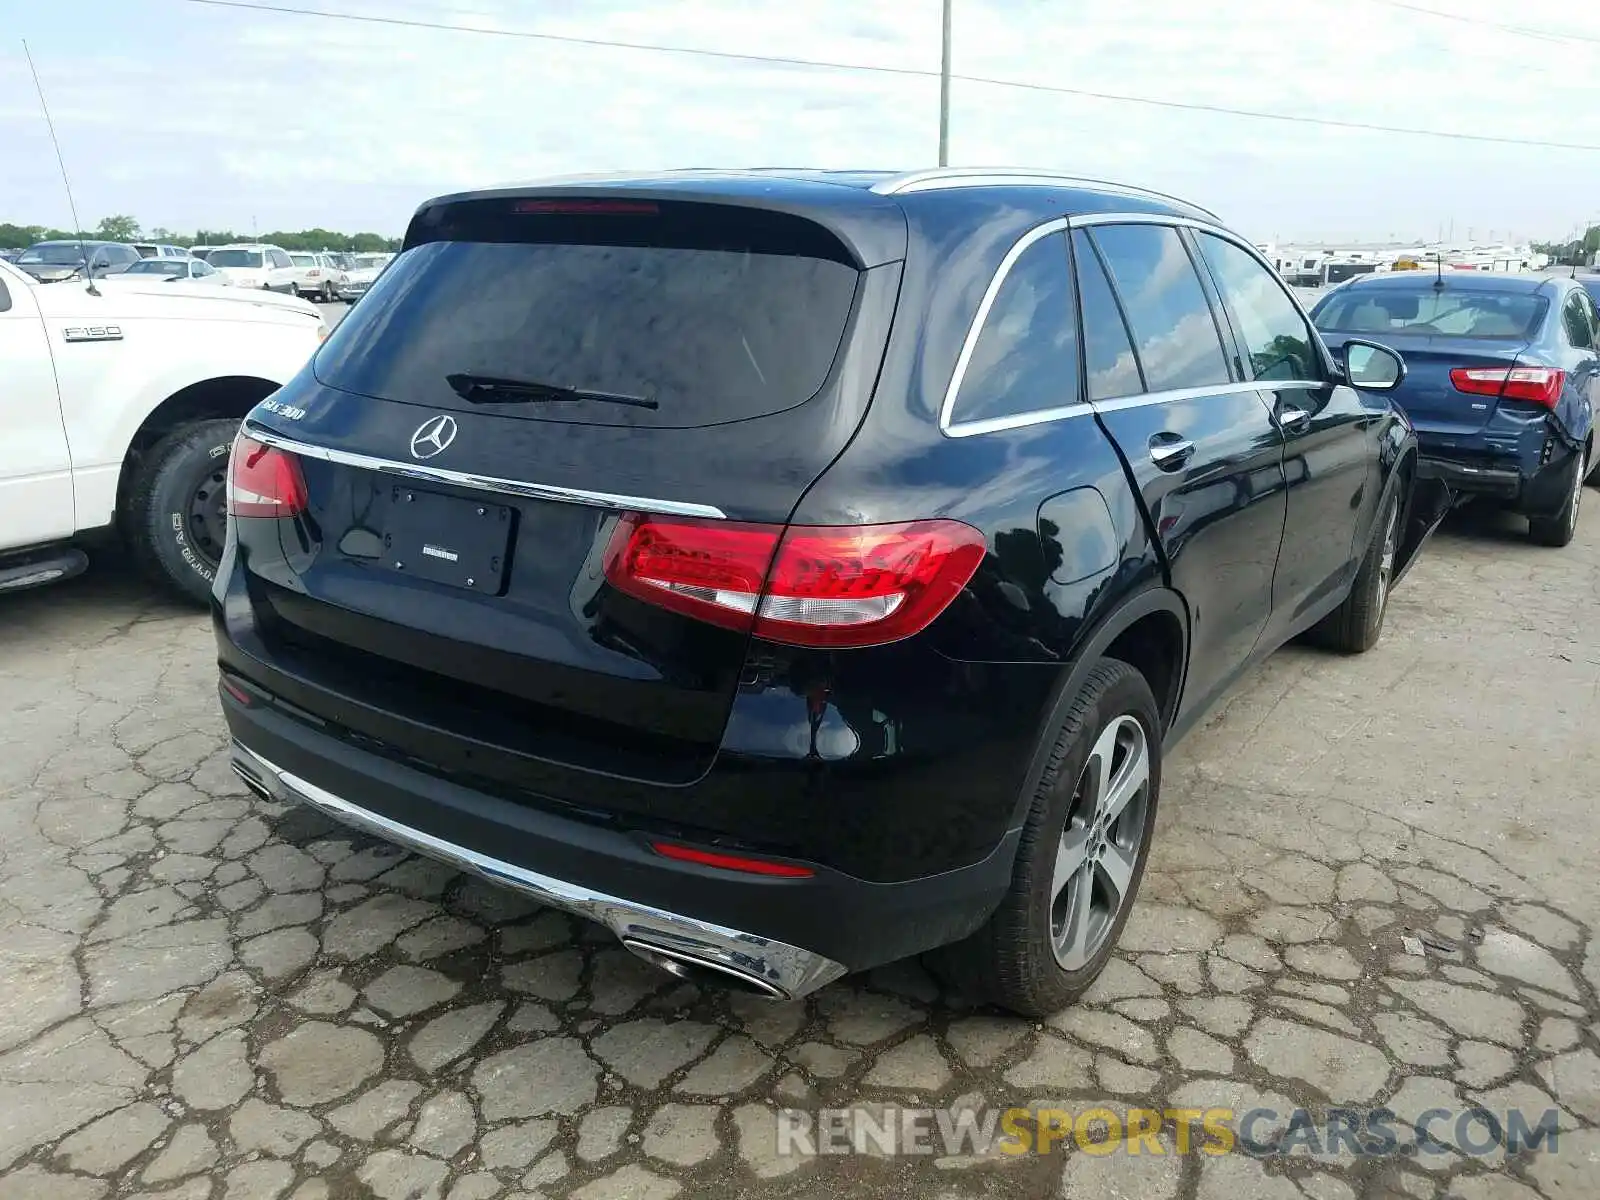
768,967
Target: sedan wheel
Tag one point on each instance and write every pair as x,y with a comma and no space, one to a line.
1559,528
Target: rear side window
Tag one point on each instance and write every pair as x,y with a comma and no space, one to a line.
1274,333
1026,357
1576,319
5,297
1172,323
660,316
1107,349
1432,312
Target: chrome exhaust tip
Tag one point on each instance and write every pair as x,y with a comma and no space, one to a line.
252,781
703,971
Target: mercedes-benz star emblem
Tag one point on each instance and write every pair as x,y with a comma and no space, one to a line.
433,436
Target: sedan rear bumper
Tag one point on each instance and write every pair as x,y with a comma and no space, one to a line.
1481,481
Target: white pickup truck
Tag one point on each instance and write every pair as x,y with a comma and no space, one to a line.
118,412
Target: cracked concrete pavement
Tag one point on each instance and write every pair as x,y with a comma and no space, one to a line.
208,997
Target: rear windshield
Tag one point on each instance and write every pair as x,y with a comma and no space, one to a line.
1447,312
64,255
234,258
659,318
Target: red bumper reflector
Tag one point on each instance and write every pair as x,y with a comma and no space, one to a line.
731,862
237,692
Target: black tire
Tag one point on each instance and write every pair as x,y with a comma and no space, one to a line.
180,472
1558,528
1355,626
1010,960
294,290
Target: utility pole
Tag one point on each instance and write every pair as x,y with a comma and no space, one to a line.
944,92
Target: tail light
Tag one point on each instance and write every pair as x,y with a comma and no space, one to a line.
1539,385
264,481
807,585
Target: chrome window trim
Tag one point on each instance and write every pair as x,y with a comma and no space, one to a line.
1046,416
485,483
947,425
1088,220
959,429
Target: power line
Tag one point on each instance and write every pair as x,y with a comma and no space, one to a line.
915,72
1543,35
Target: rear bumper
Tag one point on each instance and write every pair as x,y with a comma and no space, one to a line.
1463,477
782,937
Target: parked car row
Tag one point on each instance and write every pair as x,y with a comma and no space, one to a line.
323,276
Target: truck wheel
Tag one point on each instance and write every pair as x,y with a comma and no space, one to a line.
1355,626
176,519
1081,856
1558,529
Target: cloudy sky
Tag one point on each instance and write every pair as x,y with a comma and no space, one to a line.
187,114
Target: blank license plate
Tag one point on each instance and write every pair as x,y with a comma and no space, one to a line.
463,543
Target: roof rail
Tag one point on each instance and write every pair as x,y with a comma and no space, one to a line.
937,178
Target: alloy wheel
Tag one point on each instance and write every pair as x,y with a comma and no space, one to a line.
1577,490
1100,846
1391,541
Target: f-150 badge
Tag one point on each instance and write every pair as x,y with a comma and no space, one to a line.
92,333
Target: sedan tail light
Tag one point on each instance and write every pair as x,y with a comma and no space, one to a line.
807,585
264,481
1539,385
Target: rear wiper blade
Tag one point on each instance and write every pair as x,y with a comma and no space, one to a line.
493,389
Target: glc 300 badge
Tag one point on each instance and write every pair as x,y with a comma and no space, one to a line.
92,333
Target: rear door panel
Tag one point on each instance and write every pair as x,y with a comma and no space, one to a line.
1330,432
1217,511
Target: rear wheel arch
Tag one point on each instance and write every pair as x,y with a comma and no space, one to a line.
175,467
1149,631
224,397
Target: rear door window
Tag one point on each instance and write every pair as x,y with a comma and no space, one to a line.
1107,348
1171,319
663,315
1576,320
1026,357
1269,324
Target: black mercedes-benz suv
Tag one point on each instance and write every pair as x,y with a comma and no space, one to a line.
798,571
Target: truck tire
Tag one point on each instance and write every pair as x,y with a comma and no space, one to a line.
1031,957
175,513
1355,626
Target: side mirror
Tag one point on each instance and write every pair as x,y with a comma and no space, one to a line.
1372,366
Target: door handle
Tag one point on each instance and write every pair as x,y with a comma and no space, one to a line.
1293,419
1169,451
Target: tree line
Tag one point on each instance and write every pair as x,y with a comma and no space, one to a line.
1578,251
123,228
